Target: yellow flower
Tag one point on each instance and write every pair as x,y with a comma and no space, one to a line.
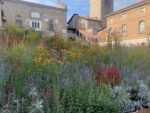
37,59
59,61
48,61
63,50
40,48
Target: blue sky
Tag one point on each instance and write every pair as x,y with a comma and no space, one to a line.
81,7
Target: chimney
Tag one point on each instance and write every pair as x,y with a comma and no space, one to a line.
61,5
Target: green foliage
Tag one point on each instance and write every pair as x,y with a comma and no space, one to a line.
16,52
88,99
32,36
13,30
57,42
67,84
4,76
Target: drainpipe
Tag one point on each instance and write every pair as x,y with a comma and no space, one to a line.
0,14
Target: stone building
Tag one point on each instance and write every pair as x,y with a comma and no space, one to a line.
44,18
131,24
88,26
100,8
83,26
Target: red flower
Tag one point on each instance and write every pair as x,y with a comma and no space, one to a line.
109,75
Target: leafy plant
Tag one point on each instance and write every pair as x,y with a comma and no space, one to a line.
5,71
108,75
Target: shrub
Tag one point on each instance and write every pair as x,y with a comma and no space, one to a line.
57,42
14,35
131,98
4,76
32,36
95,100
13,30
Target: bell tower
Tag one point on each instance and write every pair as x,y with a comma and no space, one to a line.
100,8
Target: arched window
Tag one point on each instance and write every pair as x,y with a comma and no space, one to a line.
110,32
142,26
124,30
51,25
19,21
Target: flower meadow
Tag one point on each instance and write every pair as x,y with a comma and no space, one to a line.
40,74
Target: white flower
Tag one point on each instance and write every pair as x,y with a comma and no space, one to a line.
33,92
37,107
38,104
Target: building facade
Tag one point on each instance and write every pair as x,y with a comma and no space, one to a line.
26,15
83,23
81,26
131,23
89,26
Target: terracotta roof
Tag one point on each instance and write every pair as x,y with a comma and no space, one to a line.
84,17
129,7
89,18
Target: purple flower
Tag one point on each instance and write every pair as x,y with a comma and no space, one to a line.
140,64
132,74
64,83
31,82
86,73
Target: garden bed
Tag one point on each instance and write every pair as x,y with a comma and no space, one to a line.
56,75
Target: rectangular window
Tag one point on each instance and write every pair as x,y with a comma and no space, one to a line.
36,25
124,30
51,25
19,23
142,10
124,16
110,19
35,15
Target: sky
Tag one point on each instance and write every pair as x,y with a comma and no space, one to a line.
81,7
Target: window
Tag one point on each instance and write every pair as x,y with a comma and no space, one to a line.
110,32
35,15
51,25
125,15
19,21
142,26
124,30
142,10
110,19
36,25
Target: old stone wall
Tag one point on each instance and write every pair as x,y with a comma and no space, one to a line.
32,12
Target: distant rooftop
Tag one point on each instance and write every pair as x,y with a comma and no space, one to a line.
89,18
84,17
